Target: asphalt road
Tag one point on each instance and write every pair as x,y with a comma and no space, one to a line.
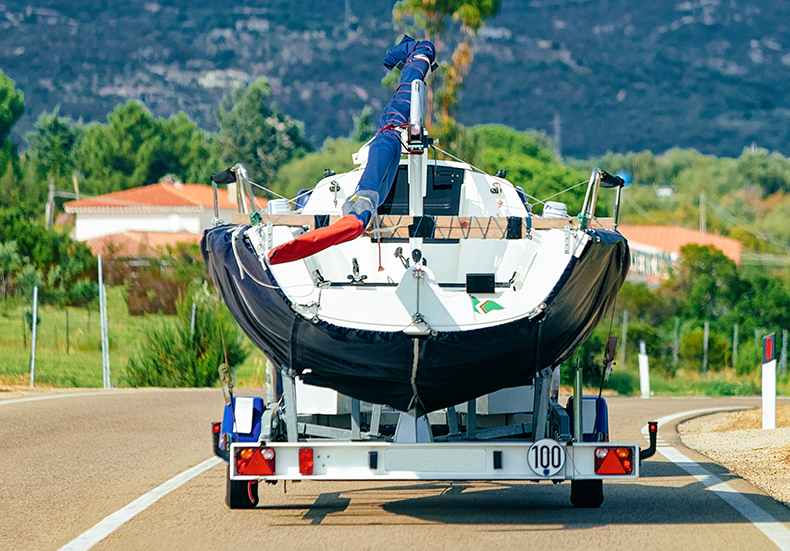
68,463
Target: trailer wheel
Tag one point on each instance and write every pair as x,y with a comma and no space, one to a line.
586,494
240,494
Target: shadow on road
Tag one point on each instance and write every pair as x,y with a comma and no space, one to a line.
534,506
325,505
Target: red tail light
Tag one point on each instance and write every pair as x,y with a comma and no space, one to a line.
255,461
216,427
614,461
306,461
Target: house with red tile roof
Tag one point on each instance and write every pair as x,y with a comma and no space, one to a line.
162,208
655,249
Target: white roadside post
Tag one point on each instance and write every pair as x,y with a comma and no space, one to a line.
769,381
644,371
33,342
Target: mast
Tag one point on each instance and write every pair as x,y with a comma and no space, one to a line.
418,167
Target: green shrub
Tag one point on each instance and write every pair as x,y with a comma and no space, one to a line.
623,382
657,346
171,356
691,350
750,358
590,358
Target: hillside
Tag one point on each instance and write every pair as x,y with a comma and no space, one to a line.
622,76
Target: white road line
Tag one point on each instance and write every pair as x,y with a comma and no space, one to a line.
48,397
110,524
768,525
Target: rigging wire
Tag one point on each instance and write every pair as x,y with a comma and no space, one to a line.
564,190
481,171
744,226
639,209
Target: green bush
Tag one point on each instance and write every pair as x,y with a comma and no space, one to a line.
657,346
590,358
625,383
691,350
171,356
750,358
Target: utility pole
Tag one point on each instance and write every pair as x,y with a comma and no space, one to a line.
76,183
702,213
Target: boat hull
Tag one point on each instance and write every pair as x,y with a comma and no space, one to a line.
431,372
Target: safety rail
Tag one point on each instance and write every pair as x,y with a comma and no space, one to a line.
439,227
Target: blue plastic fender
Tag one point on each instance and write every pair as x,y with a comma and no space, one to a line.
227,422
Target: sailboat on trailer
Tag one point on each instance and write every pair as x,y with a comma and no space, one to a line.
415,282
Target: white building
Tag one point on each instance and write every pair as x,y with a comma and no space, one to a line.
158,208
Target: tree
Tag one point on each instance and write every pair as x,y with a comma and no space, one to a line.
12,105
51,154
10,262
255,133
433,19
305,172
28,278
135,149
45,250
10,175
706,285
770,172
365,125
529,162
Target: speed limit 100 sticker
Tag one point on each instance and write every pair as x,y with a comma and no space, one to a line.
546,457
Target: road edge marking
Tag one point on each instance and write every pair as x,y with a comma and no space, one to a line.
97,392
762,520
110,524
49,397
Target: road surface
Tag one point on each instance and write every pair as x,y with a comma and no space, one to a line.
71,463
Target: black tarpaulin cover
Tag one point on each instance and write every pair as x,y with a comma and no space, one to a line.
452,367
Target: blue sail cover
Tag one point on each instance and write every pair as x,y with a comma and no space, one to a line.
384,153
385,150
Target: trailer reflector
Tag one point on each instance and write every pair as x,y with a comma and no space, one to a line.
614,461
255,461
306,461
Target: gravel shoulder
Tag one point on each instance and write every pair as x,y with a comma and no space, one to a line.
736,441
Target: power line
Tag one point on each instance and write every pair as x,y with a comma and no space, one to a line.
744,226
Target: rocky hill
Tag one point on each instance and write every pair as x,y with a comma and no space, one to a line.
615,75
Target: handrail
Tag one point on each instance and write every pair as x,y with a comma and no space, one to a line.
598,177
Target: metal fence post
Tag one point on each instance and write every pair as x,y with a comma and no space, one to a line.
622,342
735,346
33,342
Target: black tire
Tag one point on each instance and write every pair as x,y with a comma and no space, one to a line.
238,493
586,494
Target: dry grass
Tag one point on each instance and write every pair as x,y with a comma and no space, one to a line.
749,419
737,441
